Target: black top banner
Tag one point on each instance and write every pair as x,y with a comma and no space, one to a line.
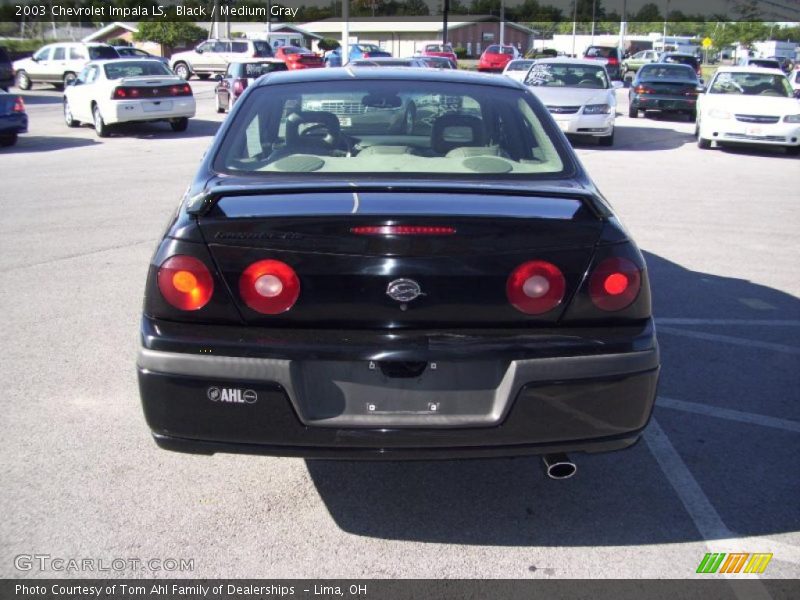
300,11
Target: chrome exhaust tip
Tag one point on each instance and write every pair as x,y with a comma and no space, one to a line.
558,466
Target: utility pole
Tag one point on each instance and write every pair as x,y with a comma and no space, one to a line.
594,6
345,32
574,23
444,20
502,22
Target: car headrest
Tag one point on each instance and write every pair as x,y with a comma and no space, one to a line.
456,131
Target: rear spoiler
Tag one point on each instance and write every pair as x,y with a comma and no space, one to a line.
202,203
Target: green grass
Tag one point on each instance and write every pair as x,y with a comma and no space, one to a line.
708,71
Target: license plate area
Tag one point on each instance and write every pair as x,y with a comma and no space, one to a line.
386,394
157,105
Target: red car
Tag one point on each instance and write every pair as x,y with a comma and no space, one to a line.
298,58
495,57
443,50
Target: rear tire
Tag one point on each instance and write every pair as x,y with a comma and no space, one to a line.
793,150
23,81
100,127
608,140
9,139
182,71
69,78
692,116
179,125
703,143
633,112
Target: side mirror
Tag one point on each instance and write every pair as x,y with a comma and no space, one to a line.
34,59
617,85
797,94
199,50
219,77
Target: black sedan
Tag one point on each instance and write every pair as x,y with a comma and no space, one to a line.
239,75
668,88
459,289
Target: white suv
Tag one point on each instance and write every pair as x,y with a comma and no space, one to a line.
59,63
212,56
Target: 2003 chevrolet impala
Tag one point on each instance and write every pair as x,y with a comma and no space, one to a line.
395,263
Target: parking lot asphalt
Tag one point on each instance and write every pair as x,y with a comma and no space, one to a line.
717,470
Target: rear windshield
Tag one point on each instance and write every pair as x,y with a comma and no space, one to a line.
102,53
137,68
667,72
600,51
567,75
396,128
262,49
438,48
681,60
519,65
254,70
500,50
751,84
766,64
369,48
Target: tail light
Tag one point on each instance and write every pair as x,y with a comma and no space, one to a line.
19,105
238,86
612,62
643,89
185,282
181,90
365,55
691,91
131,93
402,230
269,287
123,93
535,287
614,284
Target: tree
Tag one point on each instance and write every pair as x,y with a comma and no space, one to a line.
414,7
326,44
170,34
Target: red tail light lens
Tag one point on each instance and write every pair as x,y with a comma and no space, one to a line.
238,86
643,89
19,105
612,62
185,282
181,90
535,287
614,284
269,287
402,230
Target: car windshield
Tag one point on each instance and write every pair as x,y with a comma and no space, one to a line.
400,128
519,65
567,75
137,68
751,84
102,53
655,72
369,48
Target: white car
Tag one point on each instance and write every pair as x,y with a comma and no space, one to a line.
212,56
579,95
794,79
58,64
748,105
108,92
518,68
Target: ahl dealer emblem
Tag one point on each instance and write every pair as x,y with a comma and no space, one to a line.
403,290
236,395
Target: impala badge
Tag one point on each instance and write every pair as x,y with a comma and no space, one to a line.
403,290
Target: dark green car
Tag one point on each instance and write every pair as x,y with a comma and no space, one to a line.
666,88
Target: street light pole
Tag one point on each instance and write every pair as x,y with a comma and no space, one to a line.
444,20
345,32
574,24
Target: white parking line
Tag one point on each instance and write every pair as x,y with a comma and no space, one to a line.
758,322
730,414
727,339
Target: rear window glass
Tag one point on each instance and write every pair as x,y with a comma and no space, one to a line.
262,49
567,75
398,128
519,65
138,68
656,71
681,60
253,70
600,51
102,53
238,46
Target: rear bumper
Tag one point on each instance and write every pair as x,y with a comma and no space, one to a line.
14,123
545,399
122,111
663,103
